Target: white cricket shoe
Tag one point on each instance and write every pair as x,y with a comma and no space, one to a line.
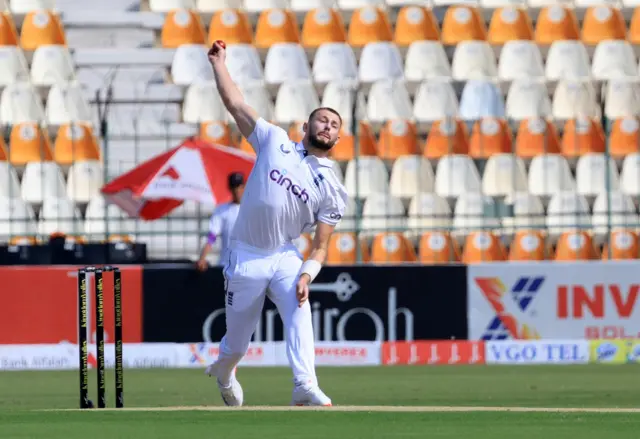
309,396
232,395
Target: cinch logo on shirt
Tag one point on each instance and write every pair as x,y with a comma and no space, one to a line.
285,182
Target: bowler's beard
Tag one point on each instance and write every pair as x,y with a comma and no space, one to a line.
315,141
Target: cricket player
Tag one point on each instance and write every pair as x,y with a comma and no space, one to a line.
292,188
222,220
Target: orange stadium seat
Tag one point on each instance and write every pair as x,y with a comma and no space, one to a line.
415,23
276,26
342,249
508,24
483,247
231,26
295,131
246,146
24,240
182,26
304,245
344,150
462,23
29,143
8,33
392,248
75,142
634,27
368,25
490,136
582,136
575,246
438,248
625,244
446,137
323,25
603,23
41,28
624,138
4,156
216,132
528,245
397,138
535,137
556,23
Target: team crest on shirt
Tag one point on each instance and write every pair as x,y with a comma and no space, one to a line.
283,150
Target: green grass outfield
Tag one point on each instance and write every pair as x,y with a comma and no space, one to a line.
478,402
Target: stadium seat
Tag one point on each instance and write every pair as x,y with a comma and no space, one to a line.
59,216
474,211
582,136
342,249
612,59
481,98
51,65
243,62
85,180
182,26
473,59
42,180
438,248
602,23
29,143
549,174
342,96
573,99
397,138
592,175
520,60
322,26
446,137
208,6
351,5
8,33
295,101
286,62
435,100
372,177
567,60
612,211
348,222
411,175
276,26
202,103
624,244
345,149
216,132
509,23
456,175
382,212
303,244
426,60
41,28
388,99
334,62
379,61
392,248
191,65
304,6
567,211
10,187
23,7
622,98
634,27
528,245
462,23
503,175
536,136
490,136
19,103
76,142
482,247
630,174
527,213
556,23
169,5
575,246
99,216
415,23
231,26
245,146
258,6
256,96
623,138
369,24
14,65
427,212
66,103
17,219
527,99
296,132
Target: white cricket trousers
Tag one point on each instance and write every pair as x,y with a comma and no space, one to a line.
251,275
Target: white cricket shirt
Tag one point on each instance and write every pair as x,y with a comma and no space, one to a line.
287,191
221,223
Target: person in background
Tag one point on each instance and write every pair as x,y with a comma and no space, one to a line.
222,220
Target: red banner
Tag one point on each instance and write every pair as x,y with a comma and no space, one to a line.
39,304
433,352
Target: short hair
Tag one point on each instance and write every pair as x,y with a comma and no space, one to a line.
329,109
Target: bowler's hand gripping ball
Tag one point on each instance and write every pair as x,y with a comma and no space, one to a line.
214,48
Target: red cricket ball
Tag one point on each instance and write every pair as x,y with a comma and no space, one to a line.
221,43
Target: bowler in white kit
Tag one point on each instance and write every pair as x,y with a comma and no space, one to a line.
291,189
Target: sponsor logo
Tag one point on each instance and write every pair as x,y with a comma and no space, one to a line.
511,306
433,352
537,352
606,351
335,216
634,352
171,173
284,151
280,178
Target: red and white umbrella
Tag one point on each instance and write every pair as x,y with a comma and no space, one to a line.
195,170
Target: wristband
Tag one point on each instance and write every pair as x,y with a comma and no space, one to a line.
312,268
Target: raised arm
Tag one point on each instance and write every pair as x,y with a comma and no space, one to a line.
244,115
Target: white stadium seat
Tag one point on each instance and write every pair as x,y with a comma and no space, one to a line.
113,37
382,212
256,95
103,77
388,99
217,5
286,62
520,59
303,6
428,212
456,175
426,60
340,95
380,60
630,175
256,6
567,60
549,174
504,174
435,100
169,5
334,62
614,209
14,65
348,222
481,98
612,59
295,101
59,215
9,183
20,103
101,218
66,103
243,62
21,7
622,98
527,99
42,180
191,65
84,181
17,218
202,103
472,60
528,212
567,212
411,175
474,212
51,65
591,175
573,99
372,177
352,5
